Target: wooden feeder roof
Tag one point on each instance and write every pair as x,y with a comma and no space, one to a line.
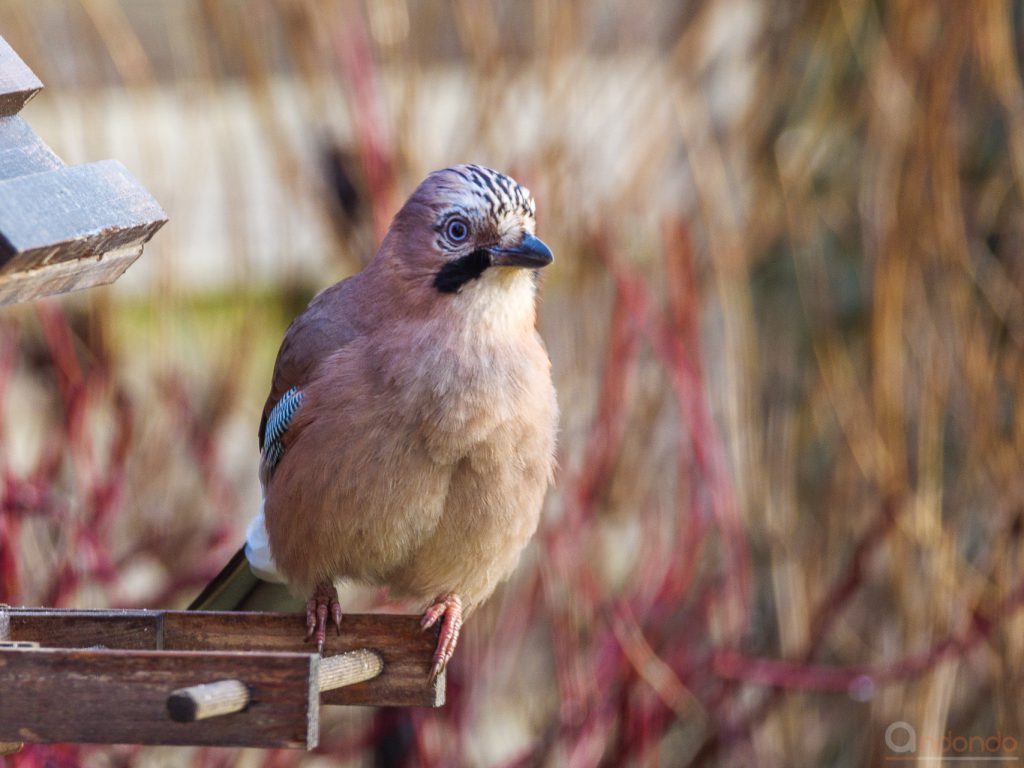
62,228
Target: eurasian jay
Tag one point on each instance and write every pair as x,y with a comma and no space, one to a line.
408,438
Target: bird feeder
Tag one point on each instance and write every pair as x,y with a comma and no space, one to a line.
140,676
199,677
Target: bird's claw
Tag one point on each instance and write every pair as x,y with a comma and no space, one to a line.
323,601
449,607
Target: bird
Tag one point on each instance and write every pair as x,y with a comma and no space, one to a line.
408,439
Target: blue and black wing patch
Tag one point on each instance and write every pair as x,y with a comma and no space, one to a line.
278,421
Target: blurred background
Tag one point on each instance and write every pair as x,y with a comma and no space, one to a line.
786,320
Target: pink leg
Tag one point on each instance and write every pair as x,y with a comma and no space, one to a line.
324,600
450,607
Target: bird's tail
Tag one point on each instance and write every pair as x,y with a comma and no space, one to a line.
249,582
237,588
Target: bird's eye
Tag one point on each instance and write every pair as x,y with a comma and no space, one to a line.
457,229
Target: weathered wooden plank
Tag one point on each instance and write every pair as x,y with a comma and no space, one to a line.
62,628
73,213
22,152
120,697
406,649
18,83
66,276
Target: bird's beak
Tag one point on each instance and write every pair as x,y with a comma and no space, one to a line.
530,253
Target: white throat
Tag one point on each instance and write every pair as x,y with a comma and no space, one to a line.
499,303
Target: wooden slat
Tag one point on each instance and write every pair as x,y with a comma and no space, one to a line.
73,213
22,152
406,649
120,697
57,628
18,83
66,276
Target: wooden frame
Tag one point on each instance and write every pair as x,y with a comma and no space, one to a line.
105,676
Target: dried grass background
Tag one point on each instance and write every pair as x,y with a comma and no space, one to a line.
786,321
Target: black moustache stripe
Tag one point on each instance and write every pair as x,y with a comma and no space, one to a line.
455,274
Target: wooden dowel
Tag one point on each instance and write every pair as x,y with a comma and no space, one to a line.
349,668
199,702
224,697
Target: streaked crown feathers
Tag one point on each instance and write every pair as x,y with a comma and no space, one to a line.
474,189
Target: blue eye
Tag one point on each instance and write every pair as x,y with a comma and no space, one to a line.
457,229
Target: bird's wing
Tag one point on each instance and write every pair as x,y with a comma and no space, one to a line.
276,425
324,327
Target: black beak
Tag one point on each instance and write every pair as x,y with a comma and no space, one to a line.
530,253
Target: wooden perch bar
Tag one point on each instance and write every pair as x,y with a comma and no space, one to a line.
198,702
224,697
348,669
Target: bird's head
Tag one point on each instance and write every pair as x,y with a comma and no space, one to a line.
467,225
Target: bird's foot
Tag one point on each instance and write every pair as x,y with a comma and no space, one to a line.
323,601
450,607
